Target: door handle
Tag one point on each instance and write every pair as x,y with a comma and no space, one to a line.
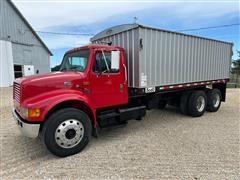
121,87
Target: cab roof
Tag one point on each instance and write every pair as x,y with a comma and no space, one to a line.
95,46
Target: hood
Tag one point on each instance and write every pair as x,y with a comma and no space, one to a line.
45,77
38,84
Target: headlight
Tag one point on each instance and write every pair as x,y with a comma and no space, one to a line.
24,111
30,112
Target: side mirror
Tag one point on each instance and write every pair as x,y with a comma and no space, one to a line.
115,60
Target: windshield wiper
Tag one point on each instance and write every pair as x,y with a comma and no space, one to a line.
63,69
75,68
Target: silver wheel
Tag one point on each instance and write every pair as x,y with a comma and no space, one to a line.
200,103
69,133
216,100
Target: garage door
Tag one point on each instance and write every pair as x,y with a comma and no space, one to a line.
6,64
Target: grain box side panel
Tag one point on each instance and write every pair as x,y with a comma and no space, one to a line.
146,57
161,57
167,58
151,57
170,58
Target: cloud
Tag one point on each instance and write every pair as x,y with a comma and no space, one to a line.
64,41
43,14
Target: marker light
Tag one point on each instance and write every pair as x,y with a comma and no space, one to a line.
35,112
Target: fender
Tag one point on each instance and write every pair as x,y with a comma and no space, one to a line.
49,100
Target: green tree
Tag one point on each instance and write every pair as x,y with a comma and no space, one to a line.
56,68
236,67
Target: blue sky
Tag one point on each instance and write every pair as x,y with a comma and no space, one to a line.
76,16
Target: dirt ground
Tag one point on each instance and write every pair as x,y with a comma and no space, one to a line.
164,145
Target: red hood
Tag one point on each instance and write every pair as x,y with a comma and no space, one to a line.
37,84
45,77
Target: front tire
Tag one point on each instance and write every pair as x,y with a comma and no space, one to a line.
67,132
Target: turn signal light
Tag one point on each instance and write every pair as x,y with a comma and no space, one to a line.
34,112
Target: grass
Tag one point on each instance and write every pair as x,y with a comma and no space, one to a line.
234,81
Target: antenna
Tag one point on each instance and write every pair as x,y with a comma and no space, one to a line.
135,20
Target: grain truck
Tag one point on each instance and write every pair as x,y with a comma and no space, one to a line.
125,71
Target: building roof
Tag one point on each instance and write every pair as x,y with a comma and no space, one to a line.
29,26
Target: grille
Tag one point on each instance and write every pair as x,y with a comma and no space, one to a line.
17,92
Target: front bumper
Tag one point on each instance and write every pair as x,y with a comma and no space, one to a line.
27,129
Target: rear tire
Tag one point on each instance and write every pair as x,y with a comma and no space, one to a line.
162,104
197,103
213,100
184,102
67,132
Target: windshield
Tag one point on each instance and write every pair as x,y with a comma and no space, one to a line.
76,61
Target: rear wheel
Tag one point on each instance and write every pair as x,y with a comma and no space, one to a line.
213,100
184,102
162,104
197,103
67,132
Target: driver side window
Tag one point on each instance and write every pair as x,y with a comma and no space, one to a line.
100,64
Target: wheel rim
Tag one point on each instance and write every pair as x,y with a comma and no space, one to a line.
69,133
216,100
200,103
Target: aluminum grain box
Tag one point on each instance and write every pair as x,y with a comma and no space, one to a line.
157,57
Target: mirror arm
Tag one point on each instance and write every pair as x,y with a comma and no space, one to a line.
105,60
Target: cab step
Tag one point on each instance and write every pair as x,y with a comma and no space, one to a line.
115,125
119,116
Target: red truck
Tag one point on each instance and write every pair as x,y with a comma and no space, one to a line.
92,91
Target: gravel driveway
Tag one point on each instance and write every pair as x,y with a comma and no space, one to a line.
165,144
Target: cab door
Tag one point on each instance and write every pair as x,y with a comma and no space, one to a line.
108,79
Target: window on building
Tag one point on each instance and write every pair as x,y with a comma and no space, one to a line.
18,71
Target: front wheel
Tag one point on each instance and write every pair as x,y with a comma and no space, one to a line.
67,132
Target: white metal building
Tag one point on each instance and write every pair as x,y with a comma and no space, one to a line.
22,52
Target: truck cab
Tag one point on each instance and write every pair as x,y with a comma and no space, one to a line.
92,77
